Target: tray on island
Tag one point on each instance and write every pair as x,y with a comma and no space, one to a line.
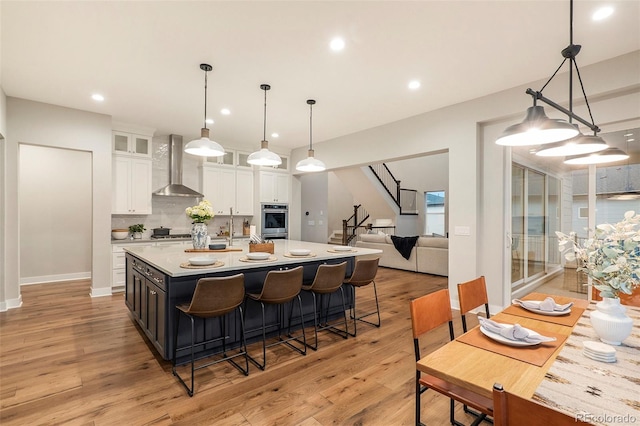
192,250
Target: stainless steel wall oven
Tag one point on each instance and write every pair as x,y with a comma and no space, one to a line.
275,221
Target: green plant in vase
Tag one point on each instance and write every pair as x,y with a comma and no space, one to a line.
137,230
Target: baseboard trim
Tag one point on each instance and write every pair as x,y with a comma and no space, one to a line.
11,304
100,292
46,279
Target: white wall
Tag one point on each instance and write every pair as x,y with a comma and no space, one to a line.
314,201
55,214
3,191
476,163
53,126
340,205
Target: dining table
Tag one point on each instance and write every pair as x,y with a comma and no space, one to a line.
555,373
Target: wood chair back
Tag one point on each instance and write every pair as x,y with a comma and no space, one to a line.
513,410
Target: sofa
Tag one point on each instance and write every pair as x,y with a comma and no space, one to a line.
430,255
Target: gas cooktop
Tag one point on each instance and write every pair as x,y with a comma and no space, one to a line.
171,236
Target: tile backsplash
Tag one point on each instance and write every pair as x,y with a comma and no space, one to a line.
169,212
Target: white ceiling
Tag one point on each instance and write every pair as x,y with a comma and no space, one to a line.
144,58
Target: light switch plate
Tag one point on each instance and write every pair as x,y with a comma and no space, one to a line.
312,223
462,230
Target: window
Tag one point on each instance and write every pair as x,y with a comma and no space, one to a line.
434,213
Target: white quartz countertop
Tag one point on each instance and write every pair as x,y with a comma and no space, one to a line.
168,258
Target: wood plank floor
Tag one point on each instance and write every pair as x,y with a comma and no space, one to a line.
66,358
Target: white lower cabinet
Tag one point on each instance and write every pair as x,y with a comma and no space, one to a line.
118,260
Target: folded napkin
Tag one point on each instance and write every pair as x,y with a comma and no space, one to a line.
513,332
547,305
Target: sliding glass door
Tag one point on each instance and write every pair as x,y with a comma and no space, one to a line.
534,220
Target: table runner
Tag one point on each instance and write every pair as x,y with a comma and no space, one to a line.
536,355
569,320
598,392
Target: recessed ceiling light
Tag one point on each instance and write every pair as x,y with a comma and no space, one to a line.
209,121
225,111
97,97
337,44
602,13
274,135
414,84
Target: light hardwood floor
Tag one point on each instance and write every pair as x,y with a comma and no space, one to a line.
66,358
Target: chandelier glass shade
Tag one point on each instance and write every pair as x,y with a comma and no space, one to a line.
537,129
204,147
608,155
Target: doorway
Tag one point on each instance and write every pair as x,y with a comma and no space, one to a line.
55,214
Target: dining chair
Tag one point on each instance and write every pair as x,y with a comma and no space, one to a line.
512,410
428,313
328,280
364,273
472,294
212,298
278,289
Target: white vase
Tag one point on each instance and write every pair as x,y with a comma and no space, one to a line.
137,235
610,321
199,234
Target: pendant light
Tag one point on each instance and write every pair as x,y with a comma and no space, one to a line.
564,138
310,164
608,155
264,157
204,147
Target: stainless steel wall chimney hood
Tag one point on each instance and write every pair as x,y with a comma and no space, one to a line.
175,187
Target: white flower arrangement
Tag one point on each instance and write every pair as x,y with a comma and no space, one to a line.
200,213
611,257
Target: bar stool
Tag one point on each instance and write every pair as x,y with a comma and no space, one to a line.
212,298
364,274
279,288
328,280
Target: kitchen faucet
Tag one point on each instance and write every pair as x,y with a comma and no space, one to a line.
231,227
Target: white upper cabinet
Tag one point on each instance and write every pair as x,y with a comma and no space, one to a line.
131,144
227,188
131,185
274,187
228,159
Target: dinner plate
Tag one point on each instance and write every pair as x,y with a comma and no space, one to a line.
299,252
342,248
501,339
549,313
202,260
598,358
258,255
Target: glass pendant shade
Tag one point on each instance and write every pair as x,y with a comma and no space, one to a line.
579,145
537,129
264,157
310,164
204,147
608,155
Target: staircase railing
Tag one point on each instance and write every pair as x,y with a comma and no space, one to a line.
405,199
353,226
388,181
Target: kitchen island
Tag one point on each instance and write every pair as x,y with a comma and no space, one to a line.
156,282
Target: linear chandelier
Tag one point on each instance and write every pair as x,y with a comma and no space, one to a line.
204,147
558,137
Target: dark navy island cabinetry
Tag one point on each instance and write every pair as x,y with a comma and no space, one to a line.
155,283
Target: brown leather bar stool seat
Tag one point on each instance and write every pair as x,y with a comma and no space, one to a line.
212,298
364,274
280,288
328,280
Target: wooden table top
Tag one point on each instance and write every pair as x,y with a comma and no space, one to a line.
478,369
